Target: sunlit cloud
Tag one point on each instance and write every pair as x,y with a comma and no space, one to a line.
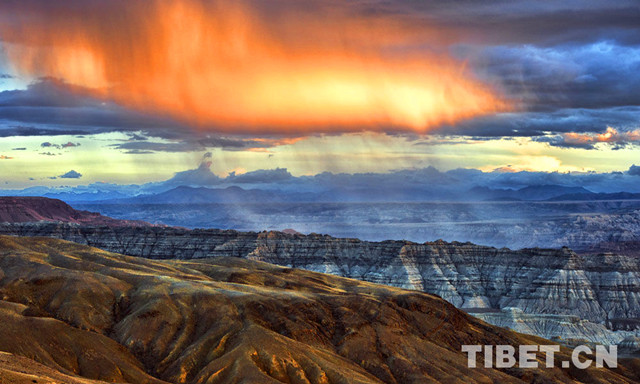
541,163
148,86
612,136
227,66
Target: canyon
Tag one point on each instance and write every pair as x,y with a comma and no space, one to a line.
600,288
579,225
84,315
598,291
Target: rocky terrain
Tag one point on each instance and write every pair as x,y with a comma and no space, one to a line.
625,248
601,291
599,288
579,225
35,209
564,329
16,369
74,314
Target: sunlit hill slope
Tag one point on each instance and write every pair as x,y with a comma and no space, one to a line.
85,315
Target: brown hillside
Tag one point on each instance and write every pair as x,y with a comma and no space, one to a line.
86,313
34,209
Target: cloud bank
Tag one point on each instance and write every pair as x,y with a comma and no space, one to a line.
569,70
239,68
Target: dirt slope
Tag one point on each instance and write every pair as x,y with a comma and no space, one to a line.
34,209
86,313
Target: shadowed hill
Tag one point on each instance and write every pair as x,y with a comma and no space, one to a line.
34,209
88,313
21,370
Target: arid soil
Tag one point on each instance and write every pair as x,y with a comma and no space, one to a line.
82,313
35,209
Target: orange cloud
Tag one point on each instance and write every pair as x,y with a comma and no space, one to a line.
227,65
611,135
535,163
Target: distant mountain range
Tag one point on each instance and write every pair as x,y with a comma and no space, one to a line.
530,193
235,194
202,195
597,196
202,185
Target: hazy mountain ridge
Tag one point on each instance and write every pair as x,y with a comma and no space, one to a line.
529,193
419,184
385,193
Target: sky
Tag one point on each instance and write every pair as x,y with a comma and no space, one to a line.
132,92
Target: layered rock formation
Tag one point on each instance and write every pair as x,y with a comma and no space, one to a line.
81,313
564,329
625,248
603,289
598,288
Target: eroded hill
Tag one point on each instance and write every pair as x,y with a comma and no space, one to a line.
35,209
92,314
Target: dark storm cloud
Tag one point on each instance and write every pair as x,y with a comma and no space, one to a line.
599,75
561,142
46,92
520,22
228,143
140,147
69,144
191,143
10,131
71,175
32,105
183,146
571,66
490,22
571,88
525,124
634,170
135,136
568,66
51,107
